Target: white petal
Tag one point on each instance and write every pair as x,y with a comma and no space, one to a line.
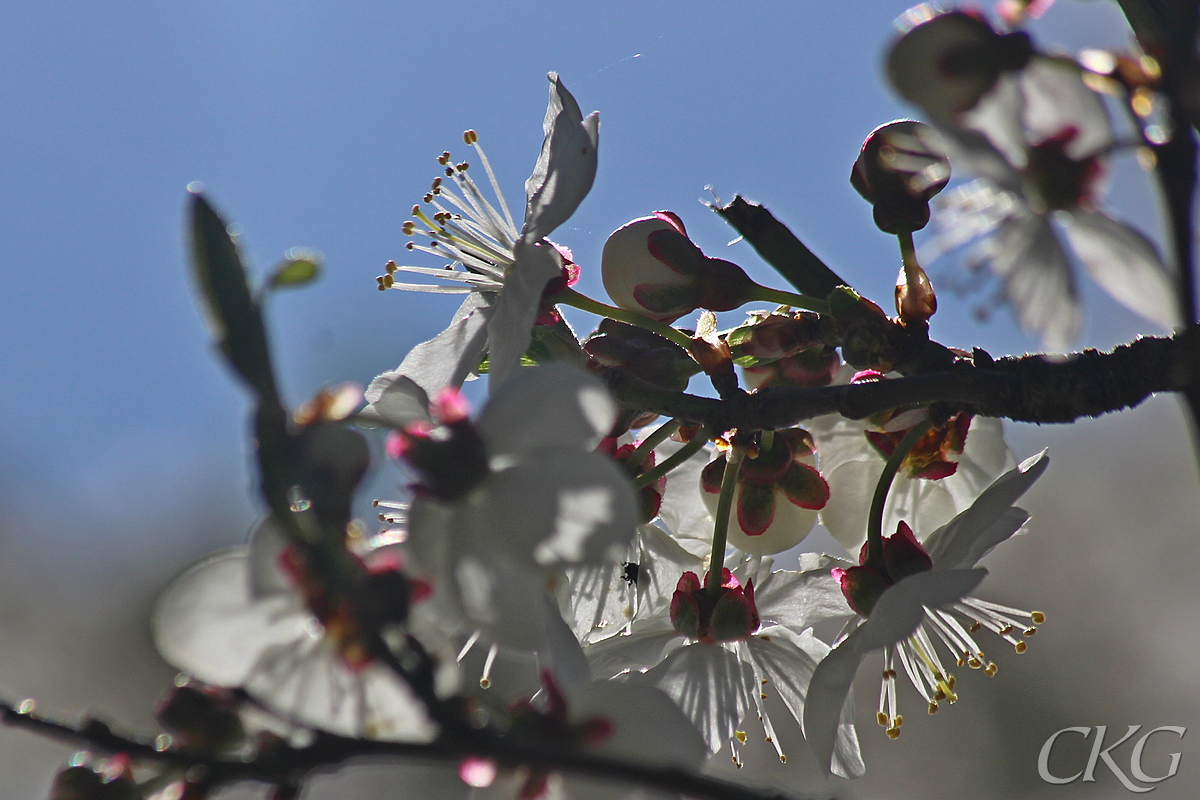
448,358
1125,264
207,624
825,706
305,680
787,661
565,168
516,308
647,726
901,608
267,543
551,405
1057,99
712,687
562,507
504,599
799,600
1026,253
639,650
396,400
682,511
990,520
999,117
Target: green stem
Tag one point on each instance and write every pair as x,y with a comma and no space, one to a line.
908,252
681,455
652,441
875,520
570,297
733,465
768,295
766,440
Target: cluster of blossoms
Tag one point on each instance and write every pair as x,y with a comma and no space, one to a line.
625,575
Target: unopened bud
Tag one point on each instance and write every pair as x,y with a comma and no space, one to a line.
915,300
650,266
945,62
897,172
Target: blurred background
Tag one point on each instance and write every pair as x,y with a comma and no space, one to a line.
122,443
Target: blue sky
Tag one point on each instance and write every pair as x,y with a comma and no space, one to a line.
316,124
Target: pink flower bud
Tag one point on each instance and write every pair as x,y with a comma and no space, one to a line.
897,172
650,266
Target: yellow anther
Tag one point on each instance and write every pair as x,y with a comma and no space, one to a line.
470,137
485,683
1020,647
436,183
763,696
740,736
951,681
975,626
898,721
941,695
769,739
390,267
974,663
893,733
1006,630
409,246
388,281
449,172
764,681
428,198
1029,632
889,674
408,227
462,166
782,758
882,718
444,158
1038,617
933,706
991,670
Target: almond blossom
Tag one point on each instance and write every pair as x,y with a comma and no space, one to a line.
943,475
256,617
503,269
918,598
505,501
719,656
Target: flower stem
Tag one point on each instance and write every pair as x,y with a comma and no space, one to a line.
908,255
570,297
768,295
652,441
733,465
875,519
671,462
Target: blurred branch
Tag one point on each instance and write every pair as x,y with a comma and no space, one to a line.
284,766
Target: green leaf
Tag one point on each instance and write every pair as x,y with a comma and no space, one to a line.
298,268
233,315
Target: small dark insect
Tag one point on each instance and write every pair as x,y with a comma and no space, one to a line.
631,573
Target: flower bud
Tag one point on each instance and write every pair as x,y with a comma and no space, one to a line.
915,299
650,266
945,62
813,367
897,172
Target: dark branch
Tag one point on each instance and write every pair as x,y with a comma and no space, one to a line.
1026,389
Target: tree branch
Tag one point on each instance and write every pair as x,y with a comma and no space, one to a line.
1026,389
